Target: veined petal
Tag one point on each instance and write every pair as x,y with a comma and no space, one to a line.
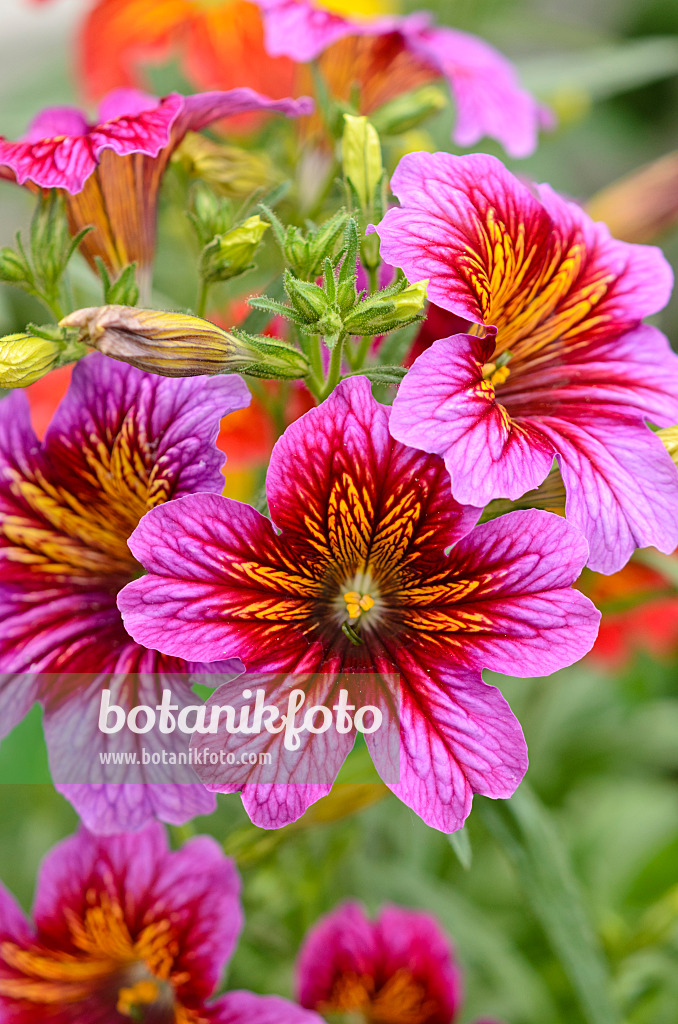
275,793
146,130
203,108
61,162
355,492
115,798
218,585
445,406
507,602
458,737
487,94
56,121
542,273
621,483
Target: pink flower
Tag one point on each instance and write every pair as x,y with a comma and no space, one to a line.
559,364
376,573
391,54
120,442
125,929
399,967
111,170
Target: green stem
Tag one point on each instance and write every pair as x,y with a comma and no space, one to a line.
334,374
201,304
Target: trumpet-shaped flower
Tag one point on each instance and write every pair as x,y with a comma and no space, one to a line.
399,967
121,442
564,368
126,929
111,170
376,569
391,55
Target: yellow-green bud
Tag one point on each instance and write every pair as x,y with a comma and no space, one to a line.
383,312
361,154
179,345
669,437
25,359
231,254
233,171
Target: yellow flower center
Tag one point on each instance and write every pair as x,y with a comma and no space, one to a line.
495,374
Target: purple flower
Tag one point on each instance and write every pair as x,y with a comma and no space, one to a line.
564,367
126,929
391,54
111,170
376,569
121,442
399,967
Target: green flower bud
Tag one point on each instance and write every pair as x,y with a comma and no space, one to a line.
12,267
25,359
409,110
309,301
361,152
179,345
385,312
230,254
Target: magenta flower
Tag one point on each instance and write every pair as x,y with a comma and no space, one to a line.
359,580
565,368
126,929
111,170
399,967
121,442
402,53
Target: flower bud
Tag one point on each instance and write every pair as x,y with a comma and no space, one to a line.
234,172
309,301
361,153
179,345
12,267
230,254
385,312
409,110
25,359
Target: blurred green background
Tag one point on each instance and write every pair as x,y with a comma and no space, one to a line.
564,907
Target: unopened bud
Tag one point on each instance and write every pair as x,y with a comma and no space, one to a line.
308,300
234,172
230,254
383,312
25,359
361,153
12,267
179,345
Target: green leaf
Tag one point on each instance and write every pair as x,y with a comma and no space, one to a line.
380,374
530,840
461,844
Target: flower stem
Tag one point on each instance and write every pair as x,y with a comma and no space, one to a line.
201,304
334,374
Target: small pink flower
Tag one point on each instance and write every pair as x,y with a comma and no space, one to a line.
399,967
126,929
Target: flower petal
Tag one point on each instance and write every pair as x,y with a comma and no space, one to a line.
445,406
113,797
60,162
622,486
283,782
540,271
354,491
218,587
248,1008
459,737
202,108
514,610
488,97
